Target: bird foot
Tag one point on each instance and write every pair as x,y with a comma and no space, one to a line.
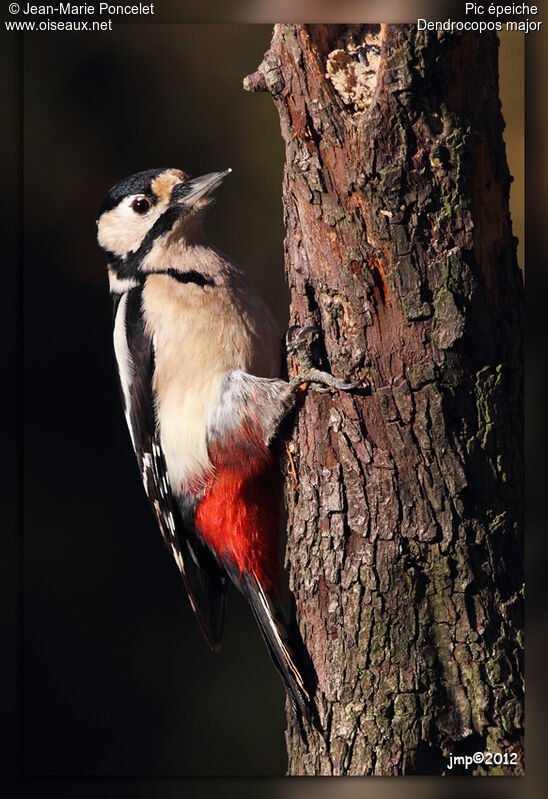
298,347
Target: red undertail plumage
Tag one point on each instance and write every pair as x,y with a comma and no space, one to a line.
239,514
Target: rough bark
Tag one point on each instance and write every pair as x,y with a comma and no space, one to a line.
405,516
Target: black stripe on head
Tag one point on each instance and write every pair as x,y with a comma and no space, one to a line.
128,265
139,183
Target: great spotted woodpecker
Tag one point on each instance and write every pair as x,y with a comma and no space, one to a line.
199,359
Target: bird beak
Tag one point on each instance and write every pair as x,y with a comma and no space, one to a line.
196,193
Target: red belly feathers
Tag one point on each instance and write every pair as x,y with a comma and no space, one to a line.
239,514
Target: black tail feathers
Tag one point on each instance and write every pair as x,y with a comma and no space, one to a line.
275,629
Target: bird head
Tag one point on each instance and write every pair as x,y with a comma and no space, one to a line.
149,207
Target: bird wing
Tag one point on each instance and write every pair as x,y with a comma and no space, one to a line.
204,581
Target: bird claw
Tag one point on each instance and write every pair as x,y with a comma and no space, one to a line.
296,346
295,335
341,386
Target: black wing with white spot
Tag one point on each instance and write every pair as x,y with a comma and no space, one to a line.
204,581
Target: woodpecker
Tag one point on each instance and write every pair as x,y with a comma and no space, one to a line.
199,362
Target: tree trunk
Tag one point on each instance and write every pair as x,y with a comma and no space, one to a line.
405,516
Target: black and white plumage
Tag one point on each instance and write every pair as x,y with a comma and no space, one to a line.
204,581
199,361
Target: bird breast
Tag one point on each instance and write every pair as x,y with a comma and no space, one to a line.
200,333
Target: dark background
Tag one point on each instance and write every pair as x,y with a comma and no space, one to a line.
116,677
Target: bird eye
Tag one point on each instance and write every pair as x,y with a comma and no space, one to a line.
141,205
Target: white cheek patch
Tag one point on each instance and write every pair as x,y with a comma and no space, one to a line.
121,230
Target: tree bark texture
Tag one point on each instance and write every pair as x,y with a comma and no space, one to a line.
405,515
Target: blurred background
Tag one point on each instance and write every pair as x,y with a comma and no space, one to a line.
117,680
117,677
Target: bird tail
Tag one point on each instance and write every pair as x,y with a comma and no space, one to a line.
275,631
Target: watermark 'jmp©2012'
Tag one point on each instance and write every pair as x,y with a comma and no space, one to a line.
483,758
